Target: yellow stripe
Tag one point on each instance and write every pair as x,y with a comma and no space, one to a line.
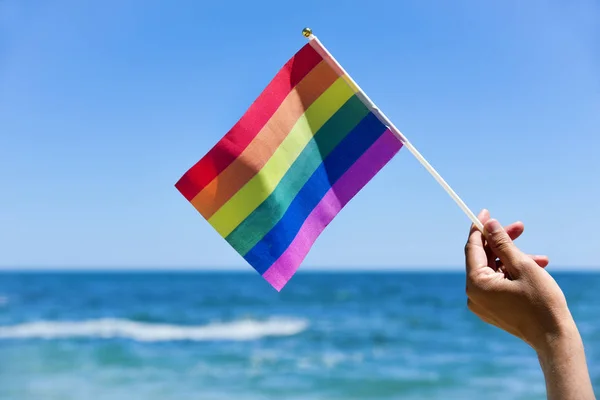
251,195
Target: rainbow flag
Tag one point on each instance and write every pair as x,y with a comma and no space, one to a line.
305,147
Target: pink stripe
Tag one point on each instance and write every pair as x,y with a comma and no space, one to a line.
357,176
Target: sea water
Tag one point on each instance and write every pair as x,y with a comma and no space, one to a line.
175,335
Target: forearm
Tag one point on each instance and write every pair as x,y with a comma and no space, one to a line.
564,365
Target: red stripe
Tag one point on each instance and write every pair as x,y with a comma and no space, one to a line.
251,123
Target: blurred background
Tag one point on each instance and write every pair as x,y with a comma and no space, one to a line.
112,286
210,335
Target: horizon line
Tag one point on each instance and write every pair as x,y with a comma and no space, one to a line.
311,269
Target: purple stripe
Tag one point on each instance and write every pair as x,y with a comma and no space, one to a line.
353,180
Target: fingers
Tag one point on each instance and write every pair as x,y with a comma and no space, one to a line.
474,250
542,261
515,230
502,246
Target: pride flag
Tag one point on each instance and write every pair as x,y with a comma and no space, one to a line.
306,146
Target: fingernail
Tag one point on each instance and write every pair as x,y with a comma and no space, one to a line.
493,226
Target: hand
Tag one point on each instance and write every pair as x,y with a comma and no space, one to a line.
508,289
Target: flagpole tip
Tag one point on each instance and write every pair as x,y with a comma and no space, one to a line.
306,32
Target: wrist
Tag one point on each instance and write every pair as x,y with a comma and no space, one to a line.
562,358
560,342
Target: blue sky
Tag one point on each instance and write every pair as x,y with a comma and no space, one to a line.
104,105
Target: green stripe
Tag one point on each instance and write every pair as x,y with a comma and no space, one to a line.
264,217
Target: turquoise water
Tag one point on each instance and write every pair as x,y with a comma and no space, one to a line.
230,336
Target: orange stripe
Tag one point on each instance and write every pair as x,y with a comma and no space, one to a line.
256,155
335,66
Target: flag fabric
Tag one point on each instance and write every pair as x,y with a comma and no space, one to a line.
304,148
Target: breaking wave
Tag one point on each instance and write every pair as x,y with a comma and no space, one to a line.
150,332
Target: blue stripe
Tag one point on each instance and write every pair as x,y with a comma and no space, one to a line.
274,243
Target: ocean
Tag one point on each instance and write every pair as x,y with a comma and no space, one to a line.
208,335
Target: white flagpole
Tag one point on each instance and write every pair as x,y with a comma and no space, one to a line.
318,46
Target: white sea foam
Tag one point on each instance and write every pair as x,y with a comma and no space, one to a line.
147,332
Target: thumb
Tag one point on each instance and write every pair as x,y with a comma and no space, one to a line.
503,246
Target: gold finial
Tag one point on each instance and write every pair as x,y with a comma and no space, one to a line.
306,32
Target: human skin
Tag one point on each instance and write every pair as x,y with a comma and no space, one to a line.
512,291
